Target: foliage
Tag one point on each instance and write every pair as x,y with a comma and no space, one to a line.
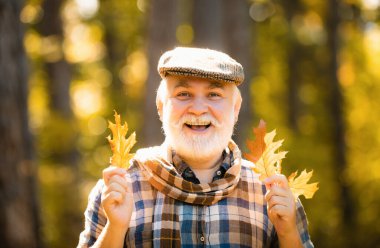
267,162
120,146
299,185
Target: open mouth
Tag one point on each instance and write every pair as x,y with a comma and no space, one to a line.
198,126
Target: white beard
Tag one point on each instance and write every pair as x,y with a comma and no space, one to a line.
202,146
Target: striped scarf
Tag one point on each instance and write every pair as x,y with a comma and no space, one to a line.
157,169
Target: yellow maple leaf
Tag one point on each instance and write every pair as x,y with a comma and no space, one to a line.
299,185
264,154
120,146
270,161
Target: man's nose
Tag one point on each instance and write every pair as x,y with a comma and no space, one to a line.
198,106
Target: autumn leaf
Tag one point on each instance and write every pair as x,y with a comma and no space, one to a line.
264,153
120,146
269,163
299,185
257,146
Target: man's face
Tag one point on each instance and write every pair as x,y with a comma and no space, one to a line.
198,116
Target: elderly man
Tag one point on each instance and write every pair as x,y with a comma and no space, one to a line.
194,190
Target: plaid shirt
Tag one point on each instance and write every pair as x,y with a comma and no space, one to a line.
239,220
185,171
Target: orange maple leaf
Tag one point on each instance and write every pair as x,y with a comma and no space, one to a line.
120,146
264,154
257,147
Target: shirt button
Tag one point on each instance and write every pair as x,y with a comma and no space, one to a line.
203,239
219,173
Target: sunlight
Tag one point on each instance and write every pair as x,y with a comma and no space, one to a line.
86,99
371,4
136,69
83,44
141,5
31,14
87,8
346,73
135,73
38,106
33,44
309,28
83,41
372,41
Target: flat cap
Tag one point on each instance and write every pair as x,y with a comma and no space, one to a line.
199,62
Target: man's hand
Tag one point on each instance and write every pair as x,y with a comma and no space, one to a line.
282,210
117,198
117,202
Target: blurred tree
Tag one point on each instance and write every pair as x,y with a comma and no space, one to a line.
56,66
123,26
208,24
295,51
238,40
113,15
162,26
337,116
68,222
19,214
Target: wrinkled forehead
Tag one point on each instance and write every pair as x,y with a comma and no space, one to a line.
170,83
194,82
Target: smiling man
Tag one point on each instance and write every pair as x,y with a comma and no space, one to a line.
194,190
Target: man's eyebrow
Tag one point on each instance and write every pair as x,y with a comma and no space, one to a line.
182,83
215,84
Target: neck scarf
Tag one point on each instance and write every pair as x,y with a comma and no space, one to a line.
157,168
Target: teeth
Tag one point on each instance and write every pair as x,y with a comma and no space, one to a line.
198,123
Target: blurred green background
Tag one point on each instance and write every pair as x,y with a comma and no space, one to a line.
312,73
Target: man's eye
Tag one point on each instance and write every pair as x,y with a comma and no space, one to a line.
214,94
183,94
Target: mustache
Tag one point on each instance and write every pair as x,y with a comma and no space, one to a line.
206,118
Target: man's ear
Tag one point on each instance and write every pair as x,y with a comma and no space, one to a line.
237,106
159,105
160,98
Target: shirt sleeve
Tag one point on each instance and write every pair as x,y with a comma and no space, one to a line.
302,224
95,218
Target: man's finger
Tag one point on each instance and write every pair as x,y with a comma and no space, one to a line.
278,200
112,170
116,187
111,197
120,180
278,179
278,210
276,190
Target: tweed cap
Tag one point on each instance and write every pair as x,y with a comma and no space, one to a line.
199,62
